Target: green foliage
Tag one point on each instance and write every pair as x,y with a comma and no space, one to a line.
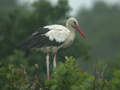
116,80
60,10
16,73
68,76
10,78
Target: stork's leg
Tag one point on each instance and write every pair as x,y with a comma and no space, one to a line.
47,62
54,60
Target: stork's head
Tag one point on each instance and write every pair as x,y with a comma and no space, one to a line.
72,22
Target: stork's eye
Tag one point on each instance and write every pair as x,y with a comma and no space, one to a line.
75,23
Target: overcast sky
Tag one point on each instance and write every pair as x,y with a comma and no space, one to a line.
77,4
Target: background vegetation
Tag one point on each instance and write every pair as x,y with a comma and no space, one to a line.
96,65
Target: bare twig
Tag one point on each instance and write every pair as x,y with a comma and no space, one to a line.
103,76
95,74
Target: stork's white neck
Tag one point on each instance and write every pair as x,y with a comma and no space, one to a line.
70,28
71,36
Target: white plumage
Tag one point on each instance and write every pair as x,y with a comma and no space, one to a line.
57,32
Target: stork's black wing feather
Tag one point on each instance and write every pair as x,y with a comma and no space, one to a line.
38,40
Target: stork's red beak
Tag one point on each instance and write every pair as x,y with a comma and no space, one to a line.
81,32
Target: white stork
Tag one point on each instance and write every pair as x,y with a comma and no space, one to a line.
53,37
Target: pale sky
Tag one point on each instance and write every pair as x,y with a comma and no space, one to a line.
77,4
